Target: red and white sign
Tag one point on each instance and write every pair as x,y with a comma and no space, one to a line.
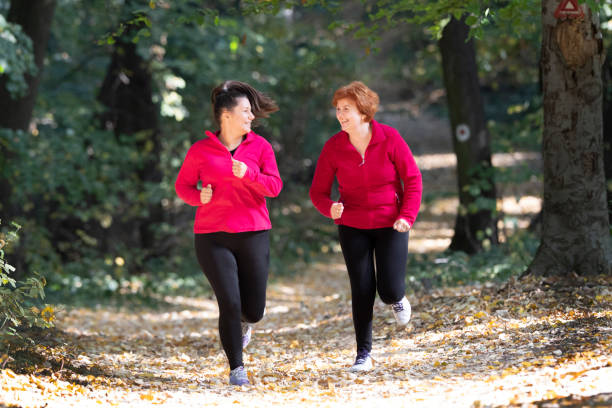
569,9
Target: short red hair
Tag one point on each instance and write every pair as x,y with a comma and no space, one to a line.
366,99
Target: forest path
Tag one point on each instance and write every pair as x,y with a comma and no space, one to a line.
465,347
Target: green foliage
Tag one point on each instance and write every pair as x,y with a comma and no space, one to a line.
16,57
273,7
516,16
520,130
300,234
78,184
86,181
139,21
498,263
79,189
17,298
299,68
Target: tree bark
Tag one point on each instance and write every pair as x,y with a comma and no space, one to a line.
575,225
127,92
35,17
475,220
607,126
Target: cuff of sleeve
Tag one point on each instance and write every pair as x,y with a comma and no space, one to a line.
329,206
250,174
407,220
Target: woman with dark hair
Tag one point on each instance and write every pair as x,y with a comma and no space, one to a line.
380,195
237,171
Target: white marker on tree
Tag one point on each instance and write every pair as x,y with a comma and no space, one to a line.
462,132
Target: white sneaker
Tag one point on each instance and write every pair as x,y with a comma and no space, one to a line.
402,311
247,330
363,362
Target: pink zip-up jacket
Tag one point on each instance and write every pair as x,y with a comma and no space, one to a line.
376,189
237,204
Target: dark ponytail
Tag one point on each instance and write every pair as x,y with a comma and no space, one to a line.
224,97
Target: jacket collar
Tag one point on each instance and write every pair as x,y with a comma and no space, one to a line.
215,137
378,133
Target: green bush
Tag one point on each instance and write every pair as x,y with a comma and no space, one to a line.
81,199
300,235
496,264
19,299
17,57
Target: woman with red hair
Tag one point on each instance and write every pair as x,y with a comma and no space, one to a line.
380,195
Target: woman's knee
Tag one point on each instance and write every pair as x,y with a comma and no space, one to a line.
252,316
389,297
230,309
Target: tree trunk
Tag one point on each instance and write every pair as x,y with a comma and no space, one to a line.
475,220
35,17
575,225
607,126
127,92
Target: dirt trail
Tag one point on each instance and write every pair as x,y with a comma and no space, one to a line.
467,346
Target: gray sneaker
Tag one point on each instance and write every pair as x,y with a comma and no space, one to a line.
238,376
363,362
247,331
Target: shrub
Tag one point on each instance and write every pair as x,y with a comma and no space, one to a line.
19,306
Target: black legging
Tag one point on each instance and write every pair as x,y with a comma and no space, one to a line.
360,247
236,265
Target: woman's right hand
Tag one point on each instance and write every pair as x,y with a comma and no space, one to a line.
206,194
336,210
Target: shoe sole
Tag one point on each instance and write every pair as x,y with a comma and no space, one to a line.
240,385
359,370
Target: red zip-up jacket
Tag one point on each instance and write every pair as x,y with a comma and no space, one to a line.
237,205
375,190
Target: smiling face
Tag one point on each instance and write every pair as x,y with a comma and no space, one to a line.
238,119
348,115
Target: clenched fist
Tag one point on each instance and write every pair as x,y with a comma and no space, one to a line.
401,225
336,210
206,194
238,168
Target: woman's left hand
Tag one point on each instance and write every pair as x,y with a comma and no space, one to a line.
238,168
401,225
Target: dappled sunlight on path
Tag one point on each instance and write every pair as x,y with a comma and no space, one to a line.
435,224
466,346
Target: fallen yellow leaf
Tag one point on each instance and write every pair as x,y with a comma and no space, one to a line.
147,397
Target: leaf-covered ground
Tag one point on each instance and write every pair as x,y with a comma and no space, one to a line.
524,344
470,346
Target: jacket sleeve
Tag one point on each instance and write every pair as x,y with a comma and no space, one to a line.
411,177
265,180
187,180
320,190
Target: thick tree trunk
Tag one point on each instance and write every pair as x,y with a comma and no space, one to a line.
127,92
575,226
475,220
35,17
607,126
